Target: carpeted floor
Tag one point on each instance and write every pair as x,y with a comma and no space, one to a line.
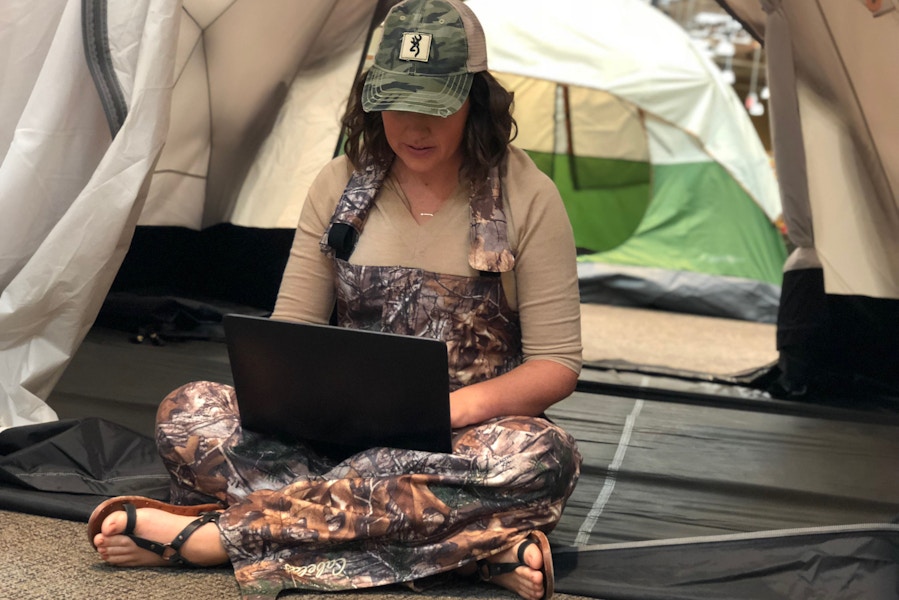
54,561
57,562
675,340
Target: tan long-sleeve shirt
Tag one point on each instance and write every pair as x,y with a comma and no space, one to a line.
543,286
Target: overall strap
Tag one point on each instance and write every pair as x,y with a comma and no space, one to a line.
489,251
352,209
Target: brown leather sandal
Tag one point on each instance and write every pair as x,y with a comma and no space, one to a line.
488,570
205,513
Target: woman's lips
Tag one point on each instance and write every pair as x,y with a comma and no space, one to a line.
418,149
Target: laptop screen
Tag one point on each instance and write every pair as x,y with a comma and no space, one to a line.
340,389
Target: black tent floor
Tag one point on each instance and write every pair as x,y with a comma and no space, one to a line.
658,466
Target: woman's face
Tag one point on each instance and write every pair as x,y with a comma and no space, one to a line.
425,143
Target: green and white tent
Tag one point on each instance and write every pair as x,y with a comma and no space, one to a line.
669,189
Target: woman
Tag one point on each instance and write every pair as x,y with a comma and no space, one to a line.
431,225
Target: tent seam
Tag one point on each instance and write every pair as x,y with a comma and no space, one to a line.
96,50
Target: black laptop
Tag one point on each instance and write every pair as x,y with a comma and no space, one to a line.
339,390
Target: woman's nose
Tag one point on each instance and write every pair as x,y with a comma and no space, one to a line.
415,120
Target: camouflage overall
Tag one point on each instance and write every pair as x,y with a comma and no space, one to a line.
297,519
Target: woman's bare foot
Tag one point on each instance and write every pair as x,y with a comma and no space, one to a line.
527,579
203,547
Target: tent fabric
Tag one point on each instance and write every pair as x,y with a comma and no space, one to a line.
65,468
858,561
237,64
713,491
835,344
834,93
673,85
655,157
691,226
679,291
92,144
834,126
70,193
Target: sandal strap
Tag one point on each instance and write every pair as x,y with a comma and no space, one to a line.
131,513
179,540
527,543
488,570
171,551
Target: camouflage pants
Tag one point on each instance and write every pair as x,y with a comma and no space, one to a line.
295,519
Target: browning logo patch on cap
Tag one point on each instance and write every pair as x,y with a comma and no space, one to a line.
415,46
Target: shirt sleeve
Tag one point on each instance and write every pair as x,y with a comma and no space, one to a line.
307,286
545,266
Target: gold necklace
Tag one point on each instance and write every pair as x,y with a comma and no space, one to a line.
405,198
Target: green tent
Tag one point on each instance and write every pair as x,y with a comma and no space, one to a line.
669,189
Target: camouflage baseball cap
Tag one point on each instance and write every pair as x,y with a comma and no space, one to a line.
425,62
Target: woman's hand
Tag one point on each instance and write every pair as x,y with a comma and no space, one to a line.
528,389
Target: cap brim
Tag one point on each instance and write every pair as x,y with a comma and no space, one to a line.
440,96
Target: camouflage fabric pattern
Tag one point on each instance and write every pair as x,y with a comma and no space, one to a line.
211,459
423,62
489,241
354,204
470,314
448,51
299,520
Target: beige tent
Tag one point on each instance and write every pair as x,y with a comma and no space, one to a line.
834,82
145,109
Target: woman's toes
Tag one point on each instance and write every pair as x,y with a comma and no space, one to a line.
114,524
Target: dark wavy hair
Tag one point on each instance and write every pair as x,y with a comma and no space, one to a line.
488,130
